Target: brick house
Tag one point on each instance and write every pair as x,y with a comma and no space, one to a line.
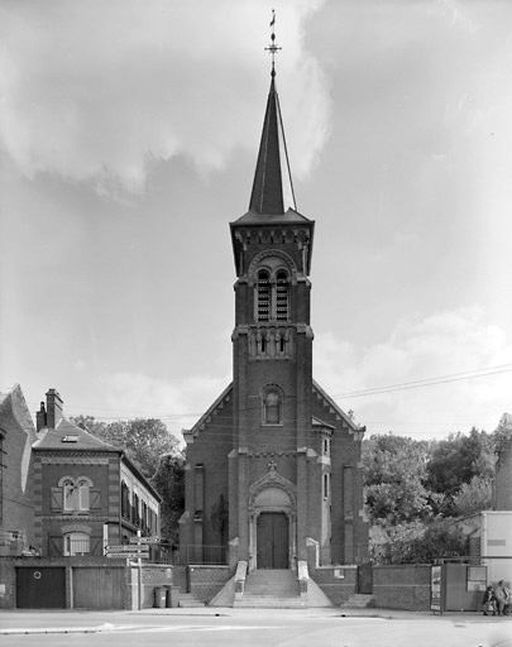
17,433
273,473
86,493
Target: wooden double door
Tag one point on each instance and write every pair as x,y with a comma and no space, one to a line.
273,537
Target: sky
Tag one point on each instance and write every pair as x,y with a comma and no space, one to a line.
128,141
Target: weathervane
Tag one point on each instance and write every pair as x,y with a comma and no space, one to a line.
273,48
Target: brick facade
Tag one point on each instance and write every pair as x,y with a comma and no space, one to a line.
274,462
86,493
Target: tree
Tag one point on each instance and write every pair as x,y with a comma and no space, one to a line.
455,461
473,497
394,469
418,543
145,440
169,481
155,451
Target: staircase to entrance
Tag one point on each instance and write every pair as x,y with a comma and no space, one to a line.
266,587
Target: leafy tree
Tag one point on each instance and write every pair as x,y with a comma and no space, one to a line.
458,459
473,497
155,451
418,543
145,440
169,481
394,469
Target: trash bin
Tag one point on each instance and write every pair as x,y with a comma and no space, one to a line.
160,595
172,596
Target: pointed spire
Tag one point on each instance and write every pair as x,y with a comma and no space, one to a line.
267,190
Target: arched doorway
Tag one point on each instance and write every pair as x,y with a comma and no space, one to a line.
272,526
272,540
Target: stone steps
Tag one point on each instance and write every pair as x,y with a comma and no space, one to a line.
188,601
269,602
359,601
271,588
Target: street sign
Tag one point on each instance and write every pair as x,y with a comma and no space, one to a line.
127,550
127,555
144,540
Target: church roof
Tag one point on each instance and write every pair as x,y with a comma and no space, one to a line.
211,411
267,188
322,395
67,435
291,216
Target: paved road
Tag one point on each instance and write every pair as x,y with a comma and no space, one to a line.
249,627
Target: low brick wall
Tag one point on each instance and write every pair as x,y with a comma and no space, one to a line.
402,586
97,575
337,582
153,575
206,581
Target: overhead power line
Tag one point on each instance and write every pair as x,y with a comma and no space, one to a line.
377,390
415,384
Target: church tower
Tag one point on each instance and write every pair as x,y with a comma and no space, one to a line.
273,473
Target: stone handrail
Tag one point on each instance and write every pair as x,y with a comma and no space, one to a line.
240,575
302,577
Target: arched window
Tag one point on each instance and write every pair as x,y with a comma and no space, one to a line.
75,493
281,292
272,295
272,407
70,494
83,493
264,296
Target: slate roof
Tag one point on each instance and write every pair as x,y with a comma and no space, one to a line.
256,218
67,435
353,426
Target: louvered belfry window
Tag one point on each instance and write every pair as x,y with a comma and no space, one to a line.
264,296
281,296
272,296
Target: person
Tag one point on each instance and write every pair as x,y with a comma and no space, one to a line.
489,601
508,599
502,598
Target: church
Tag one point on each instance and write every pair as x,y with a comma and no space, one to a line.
273,475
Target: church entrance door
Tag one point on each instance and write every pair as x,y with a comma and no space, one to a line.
272,540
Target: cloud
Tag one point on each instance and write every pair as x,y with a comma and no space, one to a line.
179,405
441,344
96,90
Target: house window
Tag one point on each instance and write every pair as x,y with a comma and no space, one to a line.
125,501
76,543
272,296
272,407
75,494
326,447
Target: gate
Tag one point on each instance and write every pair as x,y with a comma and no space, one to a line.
272,540
365,579
99,587
40,588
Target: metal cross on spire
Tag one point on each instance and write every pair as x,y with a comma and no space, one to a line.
273,48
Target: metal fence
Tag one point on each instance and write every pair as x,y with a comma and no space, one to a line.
206,555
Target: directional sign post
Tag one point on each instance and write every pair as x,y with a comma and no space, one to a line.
128,551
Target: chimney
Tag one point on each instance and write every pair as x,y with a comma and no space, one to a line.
53,408
41,417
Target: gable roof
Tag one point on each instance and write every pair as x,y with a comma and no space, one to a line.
209,413
340,414
67,436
